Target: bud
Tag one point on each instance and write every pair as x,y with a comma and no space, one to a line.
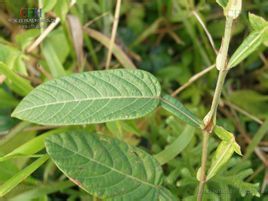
233,9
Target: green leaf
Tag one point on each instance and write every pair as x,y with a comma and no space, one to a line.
52,59
249,45
222,3
107,168
7,170
223,134
48,5
31,147
6,124
21,175
25,38
41,190
177,108
59,43
222,155
257,138
256,22
6,100
228,137
172,150
20,85
94,97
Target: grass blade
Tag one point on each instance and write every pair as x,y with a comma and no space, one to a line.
20,176
257,138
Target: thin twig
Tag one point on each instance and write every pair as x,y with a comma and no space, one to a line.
256,119
115,24
193,79
46,31
43,35
206,31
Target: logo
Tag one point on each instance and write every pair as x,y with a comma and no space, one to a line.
30,13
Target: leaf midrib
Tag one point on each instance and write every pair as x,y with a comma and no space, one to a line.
83,100
112,169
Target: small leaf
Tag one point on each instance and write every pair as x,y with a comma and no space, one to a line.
21,175
176,147
223,134
94,97
177,108
227,137
107,168
222,155
249,45
19,84
257,23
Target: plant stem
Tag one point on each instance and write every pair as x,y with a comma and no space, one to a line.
203,166
210,118
216,98
222,55
221,65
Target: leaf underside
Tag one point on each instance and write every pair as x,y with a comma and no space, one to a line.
107,168
92,97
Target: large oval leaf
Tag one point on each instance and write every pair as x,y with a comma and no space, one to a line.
108,168
94,97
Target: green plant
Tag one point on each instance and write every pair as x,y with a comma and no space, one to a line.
110,168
